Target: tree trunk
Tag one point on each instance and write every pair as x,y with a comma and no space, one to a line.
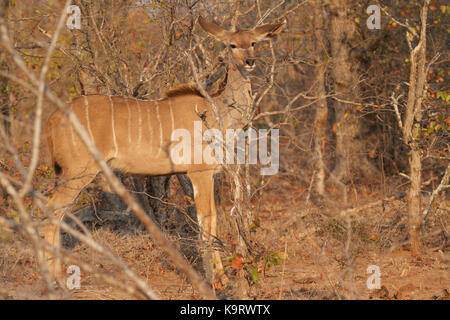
321,115
158,189
4,105
412,130
414,200
109,201
4,98
351,160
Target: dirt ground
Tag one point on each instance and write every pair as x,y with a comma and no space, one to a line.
303,250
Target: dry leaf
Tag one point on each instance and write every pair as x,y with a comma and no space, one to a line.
237,262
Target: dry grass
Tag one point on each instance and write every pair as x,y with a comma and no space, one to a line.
317,263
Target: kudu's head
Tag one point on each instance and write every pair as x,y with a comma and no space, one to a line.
241,43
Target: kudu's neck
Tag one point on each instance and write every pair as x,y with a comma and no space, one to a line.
235,101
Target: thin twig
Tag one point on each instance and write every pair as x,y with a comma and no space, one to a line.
113,181
38,119
442,186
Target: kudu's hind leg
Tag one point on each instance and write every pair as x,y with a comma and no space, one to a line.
203,184
63,197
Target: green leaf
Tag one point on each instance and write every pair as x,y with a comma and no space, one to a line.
277,258
254,274
254,225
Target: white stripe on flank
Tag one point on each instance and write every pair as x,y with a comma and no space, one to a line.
86,103
116,148
74,142
53,141
171,115
139,125
129,122
150,129
160,129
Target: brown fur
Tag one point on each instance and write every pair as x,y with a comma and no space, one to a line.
185,89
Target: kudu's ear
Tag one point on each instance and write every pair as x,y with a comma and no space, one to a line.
214,29
268,30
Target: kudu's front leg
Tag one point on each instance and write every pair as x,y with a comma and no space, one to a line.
203,184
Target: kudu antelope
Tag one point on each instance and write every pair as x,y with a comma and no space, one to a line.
134,136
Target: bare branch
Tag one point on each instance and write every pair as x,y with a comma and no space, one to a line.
113,181
442,186
38,119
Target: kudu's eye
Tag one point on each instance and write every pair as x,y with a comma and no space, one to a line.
232,46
